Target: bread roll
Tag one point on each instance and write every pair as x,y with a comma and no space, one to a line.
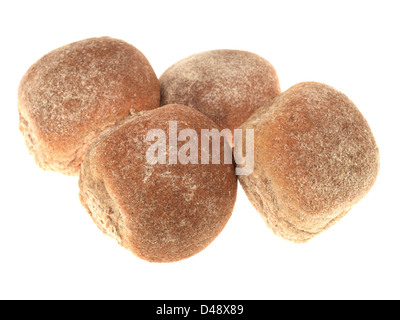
160,212
226,85
73,93
314,158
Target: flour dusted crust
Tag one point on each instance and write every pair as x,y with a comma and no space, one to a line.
161,212
226,85
73,93
315,157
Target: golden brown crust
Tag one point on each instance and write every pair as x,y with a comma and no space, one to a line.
161,212
315,157
226,85
73,93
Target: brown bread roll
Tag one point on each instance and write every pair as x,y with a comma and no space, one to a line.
314,158
73,93
226,85
160,212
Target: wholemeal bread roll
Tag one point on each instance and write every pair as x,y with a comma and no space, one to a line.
73,93
160,212
314,158
226,85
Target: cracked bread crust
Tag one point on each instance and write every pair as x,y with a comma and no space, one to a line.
161,212
73,93
315,158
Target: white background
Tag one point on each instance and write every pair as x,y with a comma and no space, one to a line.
49,247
